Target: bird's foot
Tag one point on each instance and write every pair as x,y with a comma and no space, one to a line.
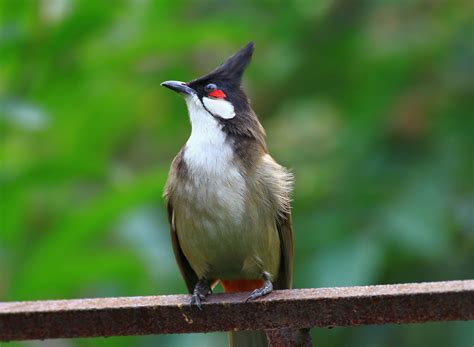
201,290
258,293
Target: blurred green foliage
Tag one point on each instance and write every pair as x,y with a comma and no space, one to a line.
370,103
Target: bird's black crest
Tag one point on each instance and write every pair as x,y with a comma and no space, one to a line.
232,69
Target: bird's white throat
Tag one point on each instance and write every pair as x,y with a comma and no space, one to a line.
207,148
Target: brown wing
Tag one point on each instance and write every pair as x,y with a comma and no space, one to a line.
187,272
178,168
285,231
278,182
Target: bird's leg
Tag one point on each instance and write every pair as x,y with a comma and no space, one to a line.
267,288
201,290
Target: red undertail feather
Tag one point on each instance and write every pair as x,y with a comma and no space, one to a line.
232,286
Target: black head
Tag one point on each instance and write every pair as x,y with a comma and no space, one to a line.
227,76
221,83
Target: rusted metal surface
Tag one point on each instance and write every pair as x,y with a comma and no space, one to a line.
297,308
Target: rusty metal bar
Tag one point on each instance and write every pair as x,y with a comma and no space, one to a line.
297,308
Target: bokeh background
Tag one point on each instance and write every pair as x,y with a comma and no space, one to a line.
370,103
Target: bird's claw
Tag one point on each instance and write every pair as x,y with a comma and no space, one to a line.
258,293
197,299
201,290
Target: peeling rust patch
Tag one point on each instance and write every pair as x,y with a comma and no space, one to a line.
188,320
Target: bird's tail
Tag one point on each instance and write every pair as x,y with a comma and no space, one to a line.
245,338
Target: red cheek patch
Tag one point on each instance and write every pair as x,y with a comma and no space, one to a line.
218,94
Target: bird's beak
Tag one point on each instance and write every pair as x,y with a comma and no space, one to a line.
179,87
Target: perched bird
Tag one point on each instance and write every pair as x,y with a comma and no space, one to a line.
228,200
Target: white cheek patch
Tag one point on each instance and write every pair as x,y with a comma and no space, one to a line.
219,107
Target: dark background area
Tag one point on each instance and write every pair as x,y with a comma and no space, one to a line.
370,103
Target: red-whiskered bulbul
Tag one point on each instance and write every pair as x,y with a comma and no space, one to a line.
228,201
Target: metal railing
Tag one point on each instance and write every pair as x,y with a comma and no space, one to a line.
282,313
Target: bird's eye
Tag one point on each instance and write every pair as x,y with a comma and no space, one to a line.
210,87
